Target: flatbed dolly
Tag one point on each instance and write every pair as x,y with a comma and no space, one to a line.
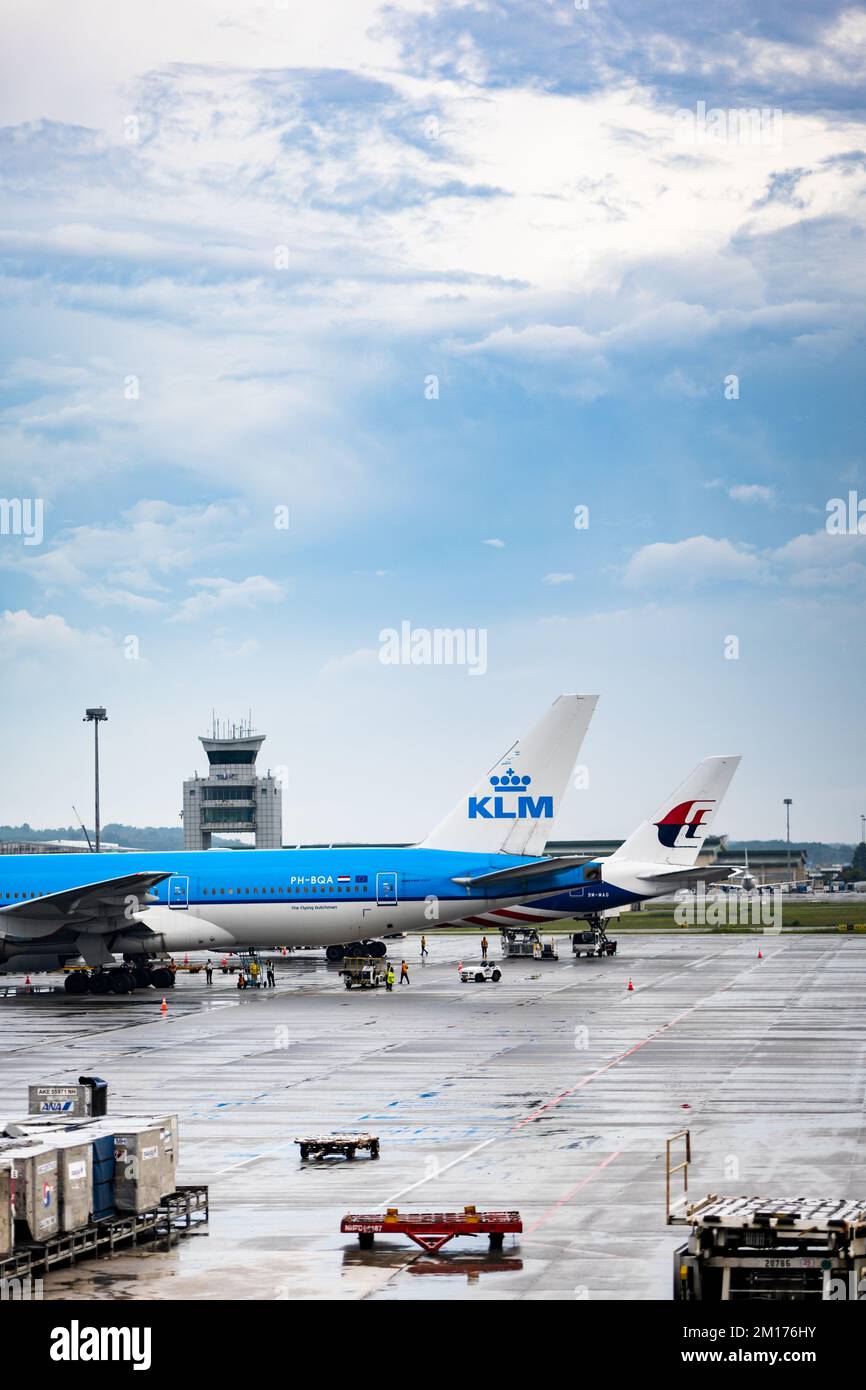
323,1145
433,1229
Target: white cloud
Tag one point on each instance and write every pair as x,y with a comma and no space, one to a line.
698,560
750,492
815,560
495,543
536,339
558,578
24,634
821,560
103,596
150,543
218,595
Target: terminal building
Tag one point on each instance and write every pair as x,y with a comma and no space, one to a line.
232,799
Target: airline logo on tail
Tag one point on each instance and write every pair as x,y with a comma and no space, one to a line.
508,784
684,823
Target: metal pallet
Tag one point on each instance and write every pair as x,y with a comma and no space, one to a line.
175,1216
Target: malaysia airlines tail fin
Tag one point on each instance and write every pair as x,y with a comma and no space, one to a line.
677,831
513,808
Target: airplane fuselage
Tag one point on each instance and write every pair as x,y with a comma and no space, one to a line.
224,899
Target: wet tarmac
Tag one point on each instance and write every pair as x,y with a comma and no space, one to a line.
551,1092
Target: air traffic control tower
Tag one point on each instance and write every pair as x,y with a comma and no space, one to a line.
231,799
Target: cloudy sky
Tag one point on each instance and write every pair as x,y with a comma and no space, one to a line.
423,278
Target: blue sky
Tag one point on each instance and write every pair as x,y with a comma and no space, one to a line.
238,241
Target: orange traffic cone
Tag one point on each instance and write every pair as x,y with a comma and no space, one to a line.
760,954
630,986
27,984
163,1008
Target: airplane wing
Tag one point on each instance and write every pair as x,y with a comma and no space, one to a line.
520,871
95,906
83,916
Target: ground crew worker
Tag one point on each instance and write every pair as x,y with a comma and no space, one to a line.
254,973
242,984
424,951
208,973
271,981
389,978
484,944
404,973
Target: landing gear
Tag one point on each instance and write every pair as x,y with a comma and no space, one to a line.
593,940
121,980
375,949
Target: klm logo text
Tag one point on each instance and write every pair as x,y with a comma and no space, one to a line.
515,804
528,807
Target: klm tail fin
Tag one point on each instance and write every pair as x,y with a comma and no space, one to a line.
678,829
513,808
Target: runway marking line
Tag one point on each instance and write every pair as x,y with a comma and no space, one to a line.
545,1216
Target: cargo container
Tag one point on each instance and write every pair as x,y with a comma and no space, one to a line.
75,1179
166,1129
35,1197
97,1137
140,1179
88,1098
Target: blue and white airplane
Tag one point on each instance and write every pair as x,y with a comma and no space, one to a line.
486,854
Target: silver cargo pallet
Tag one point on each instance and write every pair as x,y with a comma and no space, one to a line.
763,1248
177,1215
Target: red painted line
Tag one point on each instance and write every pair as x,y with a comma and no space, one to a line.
549,1104
574,1190
509,912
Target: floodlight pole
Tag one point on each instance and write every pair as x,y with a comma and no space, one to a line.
96,716
788,803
